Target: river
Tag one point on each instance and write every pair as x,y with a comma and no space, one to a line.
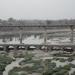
12,65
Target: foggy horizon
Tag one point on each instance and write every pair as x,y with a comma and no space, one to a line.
37,9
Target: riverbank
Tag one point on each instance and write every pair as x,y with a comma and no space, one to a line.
36,57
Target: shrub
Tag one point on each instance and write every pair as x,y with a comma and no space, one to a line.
62,60
72,65
4,60
70,59
67,67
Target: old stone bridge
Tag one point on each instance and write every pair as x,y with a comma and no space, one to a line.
48,31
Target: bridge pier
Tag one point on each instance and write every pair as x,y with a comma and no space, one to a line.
38,47
26,47
15,47
49,48
6,48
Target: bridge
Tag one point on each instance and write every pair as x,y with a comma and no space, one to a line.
47,31
6,47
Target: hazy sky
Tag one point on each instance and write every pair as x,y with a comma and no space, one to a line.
37,9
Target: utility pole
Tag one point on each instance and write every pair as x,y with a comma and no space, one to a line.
45,37
71,27
20,36
45,40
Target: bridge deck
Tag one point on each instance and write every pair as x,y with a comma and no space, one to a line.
60,45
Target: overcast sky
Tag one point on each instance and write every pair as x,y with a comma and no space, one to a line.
37,9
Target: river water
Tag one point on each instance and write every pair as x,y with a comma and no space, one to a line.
30,40
12,65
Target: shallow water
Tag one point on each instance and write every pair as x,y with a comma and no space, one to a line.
12,65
